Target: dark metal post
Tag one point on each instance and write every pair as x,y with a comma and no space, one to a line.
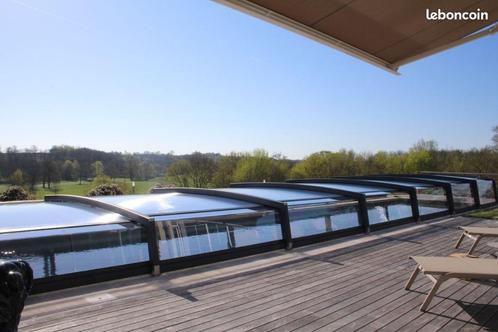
363,214
153,247
475,193
496,192
449,197
285,225
414,203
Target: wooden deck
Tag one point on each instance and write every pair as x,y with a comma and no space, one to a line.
348,285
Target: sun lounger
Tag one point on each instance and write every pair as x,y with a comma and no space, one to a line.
476,234
440,269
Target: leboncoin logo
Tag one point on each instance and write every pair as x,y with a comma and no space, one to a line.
440,15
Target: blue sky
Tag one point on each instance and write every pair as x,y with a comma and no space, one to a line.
195,75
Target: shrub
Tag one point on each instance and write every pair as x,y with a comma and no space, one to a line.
100,180
125,187
17,178
110,189
14,193
159,186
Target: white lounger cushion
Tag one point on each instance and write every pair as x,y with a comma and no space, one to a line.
464,266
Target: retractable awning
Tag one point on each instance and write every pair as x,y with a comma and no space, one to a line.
386,33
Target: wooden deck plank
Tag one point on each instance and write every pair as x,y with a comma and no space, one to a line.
468,312
153,294
406,269
309,271
210,316
286,320
454,311
378,319
330,286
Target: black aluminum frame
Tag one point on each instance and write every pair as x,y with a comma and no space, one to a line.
445,185
361,198
459,176
279,207
412,191
473,184
141,268
177,263
146,222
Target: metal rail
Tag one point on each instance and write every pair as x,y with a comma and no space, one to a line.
129,214
483,176
147,222
280,207
361,198
410,190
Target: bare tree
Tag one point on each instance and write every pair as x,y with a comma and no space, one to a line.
202,168
495,136
180,171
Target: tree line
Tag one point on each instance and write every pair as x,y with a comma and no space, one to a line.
31,167
198,170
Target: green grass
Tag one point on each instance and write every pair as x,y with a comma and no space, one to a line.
488,214
74,188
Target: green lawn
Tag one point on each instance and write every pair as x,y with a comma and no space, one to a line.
74,188
488,214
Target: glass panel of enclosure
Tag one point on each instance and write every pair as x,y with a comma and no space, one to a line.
431,200
68,250
389,207
462,195
315,219
203,234
486,191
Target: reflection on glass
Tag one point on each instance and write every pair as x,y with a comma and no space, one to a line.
431,200
63,251
385,208
486,191
186,237
462,195
311,220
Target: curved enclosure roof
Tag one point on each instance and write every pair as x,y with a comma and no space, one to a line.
43,215
440,179
175,203
288,195
417,185
52,215
453,177
362,189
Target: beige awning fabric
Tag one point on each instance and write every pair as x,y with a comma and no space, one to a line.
386,33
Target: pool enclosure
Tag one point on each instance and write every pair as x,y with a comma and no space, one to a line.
73,240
